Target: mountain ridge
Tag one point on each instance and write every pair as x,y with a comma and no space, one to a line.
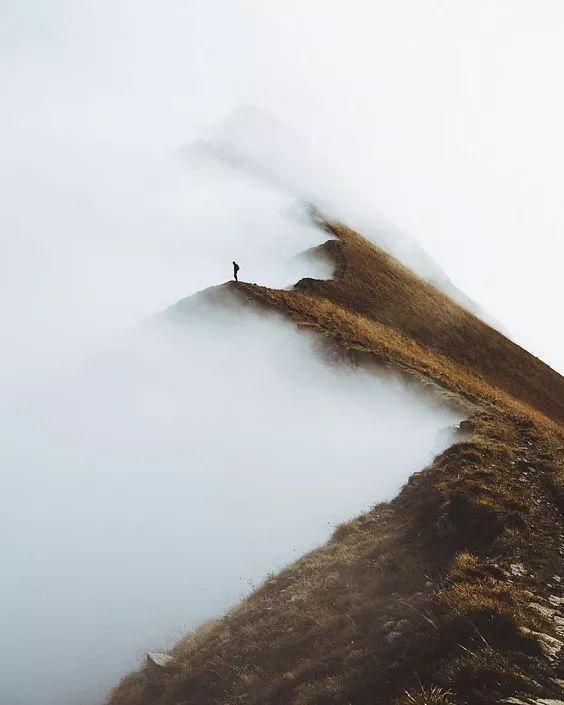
450,594
386,293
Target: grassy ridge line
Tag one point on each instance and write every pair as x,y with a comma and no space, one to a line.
357,335
445,595
372,284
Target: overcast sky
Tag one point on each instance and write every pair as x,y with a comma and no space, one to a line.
446,115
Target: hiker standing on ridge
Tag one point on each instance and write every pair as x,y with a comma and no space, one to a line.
235,270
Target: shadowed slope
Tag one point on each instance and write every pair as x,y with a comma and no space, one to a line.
450,594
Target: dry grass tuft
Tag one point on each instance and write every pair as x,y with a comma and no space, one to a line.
426,696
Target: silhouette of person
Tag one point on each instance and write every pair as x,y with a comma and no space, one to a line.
235,270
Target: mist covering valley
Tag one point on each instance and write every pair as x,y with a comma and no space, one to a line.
154,471
154,485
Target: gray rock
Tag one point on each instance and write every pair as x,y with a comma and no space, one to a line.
160,659
158,663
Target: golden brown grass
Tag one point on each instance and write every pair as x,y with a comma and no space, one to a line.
377,304
427,599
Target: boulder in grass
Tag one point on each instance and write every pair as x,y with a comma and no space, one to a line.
157,663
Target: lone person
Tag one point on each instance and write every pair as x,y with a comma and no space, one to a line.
235,270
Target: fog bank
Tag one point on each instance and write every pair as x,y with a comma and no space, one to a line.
96,238
151,487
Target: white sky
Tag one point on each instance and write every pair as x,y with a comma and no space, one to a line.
447,115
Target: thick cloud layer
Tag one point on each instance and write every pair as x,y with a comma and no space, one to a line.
150,488
151,476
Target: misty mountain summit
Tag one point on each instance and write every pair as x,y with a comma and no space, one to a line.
256,144
236,268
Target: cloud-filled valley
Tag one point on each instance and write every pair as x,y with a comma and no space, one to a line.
147,489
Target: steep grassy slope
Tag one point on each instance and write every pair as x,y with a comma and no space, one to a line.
451,593
373,296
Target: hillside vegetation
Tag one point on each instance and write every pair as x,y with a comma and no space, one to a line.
450,594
